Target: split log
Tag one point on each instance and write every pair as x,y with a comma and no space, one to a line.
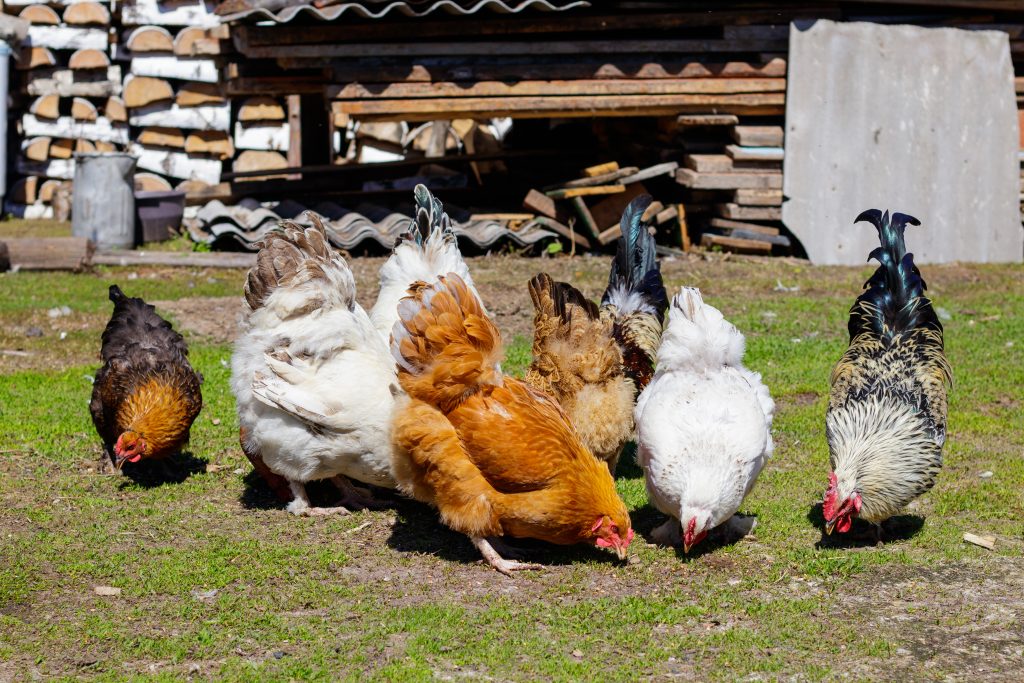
192,188
88,59
183,13
24,190
150,182
209,117
728,181
172,66
61,149
140,91
50,253
83,110
87,14
34,58
104,146
68,38
48,190
46,107
66,127
51,168
261,109
36,149
758,136
262,136
195,41
68,83
84,146
758,197
736,244
213,142
40,15
198,94
176,164
756,213
146,39
162,137
255,160
115,110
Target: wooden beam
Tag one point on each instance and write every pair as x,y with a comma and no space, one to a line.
50,253
295,133
569,193
736,244
728,181
758,197
726,224
684,229
694,120
758,136
755,213
602,179
755,153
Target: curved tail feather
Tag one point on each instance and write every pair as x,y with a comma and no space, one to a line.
634,282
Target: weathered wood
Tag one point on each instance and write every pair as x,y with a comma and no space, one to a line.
571,192
199,94
565,231
603,179
758,197
303,84
40,15
728,181
585,217
739,153
35,58
213,142
88,58
118,257
556,88
61,149
261,109
46,107
651,172
48,189
51,168
273,136
610,235
538,202
758,136
709,163
181,13
608,211
726,224
207,117
140,91
104,146
67,37
684,229
176,164
694,120
194,41
162,137
83,110
150,39
986,542
546,107
150,182
173,66
295,132
735,244
68,83
36,149
666,214
256,160
50,253
115,110
87,14
756,213
67,127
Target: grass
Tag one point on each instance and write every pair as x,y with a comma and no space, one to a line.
218,582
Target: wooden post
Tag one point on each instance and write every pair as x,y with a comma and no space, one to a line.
684,233
295,133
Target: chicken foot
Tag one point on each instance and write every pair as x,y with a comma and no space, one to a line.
300,505
355,497
504,566
670,533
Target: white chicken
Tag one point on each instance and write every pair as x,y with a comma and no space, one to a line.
703,423
312,375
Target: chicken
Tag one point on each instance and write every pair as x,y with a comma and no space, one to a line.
703,423
146,396
577,357
635,298
494,456
886,419
313,379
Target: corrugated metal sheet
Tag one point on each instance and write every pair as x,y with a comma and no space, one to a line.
239,228
232,11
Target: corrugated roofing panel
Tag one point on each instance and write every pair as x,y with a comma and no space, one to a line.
365,10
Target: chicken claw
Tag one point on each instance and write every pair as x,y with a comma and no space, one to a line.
355,497
300,505
504,566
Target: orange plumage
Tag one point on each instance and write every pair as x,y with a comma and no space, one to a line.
493,455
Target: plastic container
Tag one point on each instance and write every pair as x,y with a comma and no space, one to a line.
159,214
103,208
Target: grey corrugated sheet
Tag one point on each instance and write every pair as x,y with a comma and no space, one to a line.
239,228
365,10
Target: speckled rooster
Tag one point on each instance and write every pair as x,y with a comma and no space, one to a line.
886,420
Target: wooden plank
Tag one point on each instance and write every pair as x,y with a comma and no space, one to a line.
571,192
608,211
779,240
603,179
651,172
694,120
546,107
709,163
66,127
119,257
728,181
295,132
651,212
610,235
758,197
586,218
739,153
601,169
50,253
726,224
758,136
666,214
538,202
68,83
740,212
684,230
530,88
735,244
563,230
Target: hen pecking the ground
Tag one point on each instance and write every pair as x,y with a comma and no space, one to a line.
886,419
146,396
495,457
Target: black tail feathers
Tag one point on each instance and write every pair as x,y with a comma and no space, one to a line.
635,268
116,295
563,296
430,216
895,291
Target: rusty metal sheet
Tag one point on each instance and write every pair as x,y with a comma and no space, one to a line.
286,10
921,121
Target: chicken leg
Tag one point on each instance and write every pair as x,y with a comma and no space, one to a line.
355,497
504,566
300,504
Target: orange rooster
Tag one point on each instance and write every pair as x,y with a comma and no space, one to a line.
493,455
146,396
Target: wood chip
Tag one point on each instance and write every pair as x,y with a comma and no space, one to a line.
986,542
108,591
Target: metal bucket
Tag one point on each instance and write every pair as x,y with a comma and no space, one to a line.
103,208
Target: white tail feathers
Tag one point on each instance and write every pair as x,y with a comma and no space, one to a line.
698,336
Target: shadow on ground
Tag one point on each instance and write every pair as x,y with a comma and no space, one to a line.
156,473
862,534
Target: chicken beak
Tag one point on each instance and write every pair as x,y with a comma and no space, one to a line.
686,547
829,525
622,551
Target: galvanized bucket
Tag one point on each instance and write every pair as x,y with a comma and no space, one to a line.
103,208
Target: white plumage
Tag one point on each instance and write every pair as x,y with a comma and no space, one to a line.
703,423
